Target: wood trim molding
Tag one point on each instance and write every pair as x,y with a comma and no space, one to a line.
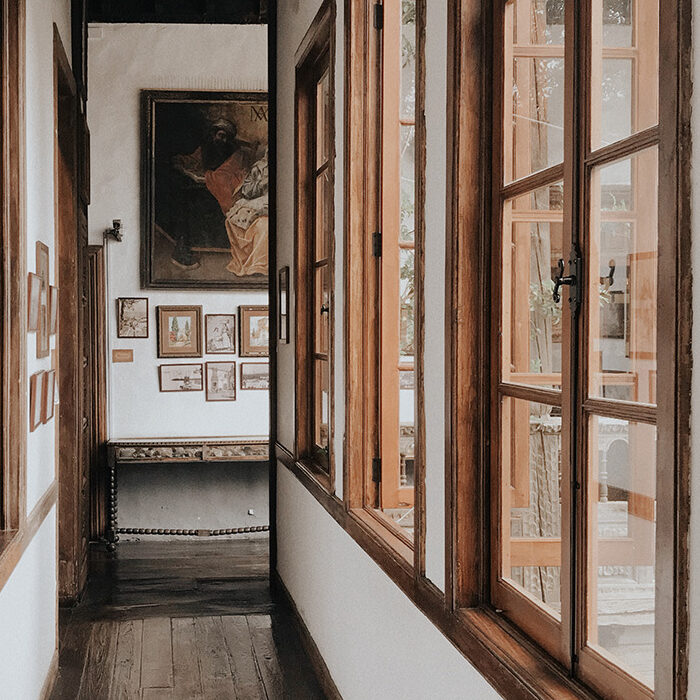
323,675
17,542
14,269
51,678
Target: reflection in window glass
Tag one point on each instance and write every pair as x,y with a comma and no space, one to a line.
532,230
534,87
621,543
623,262
624,69
531,467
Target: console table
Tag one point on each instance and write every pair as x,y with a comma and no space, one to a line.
165,450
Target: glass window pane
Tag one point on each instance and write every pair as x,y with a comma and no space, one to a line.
532,247
321,409
324,214
531,501
622,273
621,543
322,298
624,69
407,299
534,87
408,183
408,60
323,95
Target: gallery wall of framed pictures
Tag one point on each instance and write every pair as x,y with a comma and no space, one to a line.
187,332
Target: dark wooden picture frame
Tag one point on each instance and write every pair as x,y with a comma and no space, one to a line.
250,347
195,387
228,390
48,395
53,310
42,269
36,385
283,306
244,379
204,206
166,348
33,302
138,333
210,344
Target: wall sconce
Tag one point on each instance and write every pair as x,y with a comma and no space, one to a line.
115,233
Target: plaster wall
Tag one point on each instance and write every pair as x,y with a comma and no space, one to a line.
124,59
28,600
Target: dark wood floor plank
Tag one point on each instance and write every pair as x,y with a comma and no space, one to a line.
266,655
157,654
99,665
239,645
217,679
157,694
73,648
126,684
187,678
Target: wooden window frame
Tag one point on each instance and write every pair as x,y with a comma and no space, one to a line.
14,265
513,665
315,55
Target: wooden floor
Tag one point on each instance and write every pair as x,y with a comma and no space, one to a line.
182,620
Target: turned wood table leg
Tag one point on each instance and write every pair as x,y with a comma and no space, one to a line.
112,536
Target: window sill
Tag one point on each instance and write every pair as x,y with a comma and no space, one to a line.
510,662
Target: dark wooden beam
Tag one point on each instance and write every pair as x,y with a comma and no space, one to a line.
178,11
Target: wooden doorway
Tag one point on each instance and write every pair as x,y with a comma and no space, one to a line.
71,241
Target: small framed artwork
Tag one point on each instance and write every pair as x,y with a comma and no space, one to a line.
36,383
283,305
132,317
53,310
180,378
255,331
48,395
34,301
179,331
42,269
220,333
221,381
255,375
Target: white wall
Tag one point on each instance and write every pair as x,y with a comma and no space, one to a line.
28,608
123,60
374,640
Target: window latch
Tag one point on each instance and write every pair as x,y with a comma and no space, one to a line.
572,280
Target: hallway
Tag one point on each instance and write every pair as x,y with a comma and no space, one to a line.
182,620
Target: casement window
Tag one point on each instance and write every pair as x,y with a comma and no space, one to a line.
315,245
575,257
13,410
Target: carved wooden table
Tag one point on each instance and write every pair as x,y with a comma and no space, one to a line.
164,450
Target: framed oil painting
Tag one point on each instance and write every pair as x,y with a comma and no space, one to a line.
254,323
205,190
221,381
180,378
255,376
132,317
179,331
220,334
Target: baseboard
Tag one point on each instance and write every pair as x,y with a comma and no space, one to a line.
319,665
51,678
